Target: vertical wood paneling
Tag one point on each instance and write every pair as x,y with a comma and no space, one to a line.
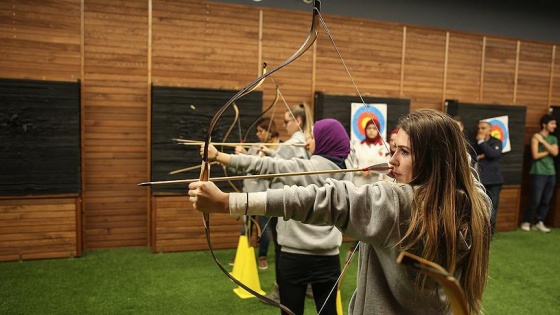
532,80
555,82
115,123
464,68
283,32
499,71
39,40
372,52
204,44
508,210
424,68
200,44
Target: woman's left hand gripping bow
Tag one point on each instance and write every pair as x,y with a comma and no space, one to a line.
208,198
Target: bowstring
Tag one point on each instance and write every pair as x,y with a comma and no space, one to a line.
385,144
351,78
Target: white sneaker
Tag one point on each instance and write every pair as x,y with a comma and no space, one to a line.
541,227
526,226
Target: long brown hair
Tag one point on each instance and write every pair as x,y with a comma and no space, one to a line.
447,206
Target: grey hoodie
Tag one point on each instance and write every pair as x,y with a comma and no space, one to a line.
294,236
377,215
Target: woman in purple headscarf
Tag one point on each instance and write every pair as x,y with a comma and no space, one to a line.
310,253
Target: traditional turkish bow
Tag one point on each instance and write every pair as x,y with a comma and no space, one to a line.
254,122
235,119
205,168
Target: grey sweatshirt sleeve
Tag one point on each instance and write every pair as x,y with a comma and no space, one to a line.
369,213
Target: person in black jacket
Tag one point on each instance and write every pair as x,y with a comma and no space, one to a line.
488,154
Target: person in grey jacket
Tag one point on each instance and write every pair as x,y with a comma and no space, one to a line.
298,122
436,210
310,253
266,133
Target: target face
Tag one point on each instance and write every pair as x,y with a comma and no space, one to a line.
500,131
363,114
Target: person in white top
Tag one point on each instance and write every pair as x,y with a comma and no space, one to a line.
371,150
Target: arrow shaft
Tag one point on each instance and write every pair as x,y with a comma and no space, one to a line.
381,168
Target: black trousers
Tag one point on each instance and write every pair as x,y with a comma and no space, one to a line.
277,247
296,271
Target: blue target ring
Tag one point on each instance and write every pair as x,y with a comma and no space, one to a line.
500,131
362,116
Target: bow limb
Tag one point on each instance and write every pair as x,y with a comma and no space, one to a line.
312,36
455,294
254,87
249,228
246,134
235,119
205,171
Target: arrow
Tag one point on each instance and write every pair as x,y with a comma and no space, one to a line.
378,168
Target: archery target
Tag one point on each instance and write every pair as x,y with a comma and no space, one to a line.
500,131
362,114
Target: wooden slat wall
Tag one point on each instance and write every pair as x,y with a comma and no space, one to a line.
41,44
216,45
508,209
532,80
180,227
554,91
40,39
464,68
372,51
115,122
200,44
204,44
499,71
281,36
424,67
38,228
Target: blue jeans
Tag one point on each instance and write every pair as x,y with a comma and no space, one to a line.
542,189
265,238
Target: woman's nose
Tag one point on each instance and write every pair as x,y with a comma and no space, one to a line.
393,160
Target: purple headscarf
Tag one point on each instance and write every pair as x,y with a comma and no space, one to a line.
331,138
